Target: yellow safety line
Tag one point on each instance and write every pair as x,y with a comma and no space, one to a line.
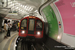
11,42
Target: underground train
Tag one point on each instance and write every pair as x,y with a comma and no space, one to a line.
32,27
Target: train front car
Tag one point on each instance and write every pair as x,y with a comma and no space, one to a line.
31,27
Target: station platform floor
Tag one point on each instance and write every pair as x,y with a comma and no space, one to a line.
9,42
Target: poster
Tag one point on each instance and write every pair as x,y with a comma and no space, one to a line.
67,12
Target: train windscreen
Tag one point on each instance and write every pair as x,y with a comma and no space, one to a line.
39,25
24,24
31,24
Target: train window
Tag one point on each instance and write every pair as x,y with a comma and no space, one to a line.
24,24
39,25
31,24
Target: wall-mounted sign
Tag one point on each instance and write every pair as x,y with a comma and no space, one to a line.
59,24
12,13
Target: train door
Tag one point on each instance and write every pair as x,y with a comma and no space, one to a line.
31,26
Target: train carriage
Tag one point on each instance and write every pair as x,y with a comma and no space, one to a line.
31,27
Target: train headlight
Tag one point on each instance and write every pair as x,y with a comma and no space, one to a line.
38,33
22,32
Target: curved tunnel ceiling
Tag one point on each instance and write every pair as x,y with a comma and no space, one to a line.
24,7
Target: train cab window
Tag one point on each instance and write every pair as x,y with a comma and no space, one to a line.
31,24
39,25
24,24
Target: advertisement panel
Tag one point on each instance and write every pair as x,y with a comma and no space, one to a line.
51,18
67,12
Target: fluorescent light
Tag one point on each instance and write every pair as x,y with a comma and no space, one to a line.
23,5
31,9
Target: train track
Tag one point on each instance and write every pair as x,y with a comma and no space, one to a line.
31,46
